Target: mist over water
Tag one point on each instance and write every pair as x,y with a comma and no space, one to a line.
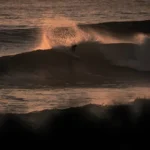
65,32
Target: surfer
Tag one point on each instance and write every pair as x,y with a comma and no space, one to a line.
73,48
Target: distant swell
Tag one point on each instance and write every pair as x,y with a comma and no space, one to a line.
16,35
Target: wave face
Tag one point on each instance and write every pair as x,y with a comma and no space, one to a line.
93,63
135,56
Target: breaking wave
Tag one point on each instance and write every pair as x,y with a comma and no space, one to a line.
93,63
101,52
68,33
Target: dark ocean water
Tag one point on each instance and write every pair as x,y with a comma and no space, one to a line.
28,80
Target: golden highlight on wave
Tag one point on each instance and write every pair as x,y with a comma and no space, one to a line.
62,31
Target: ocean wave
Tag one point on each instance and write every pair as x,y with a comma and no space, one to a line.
98,52
58,125
117,30
15,40
130,55
124,27
135,56
9,35
92,63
